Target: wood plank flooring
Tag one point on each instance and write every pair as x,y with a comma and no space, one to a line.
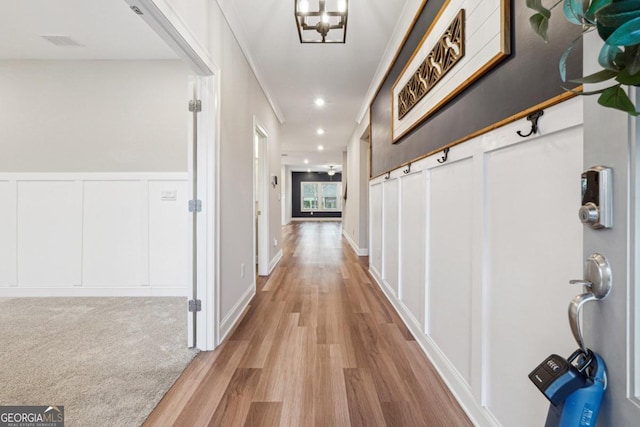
319,346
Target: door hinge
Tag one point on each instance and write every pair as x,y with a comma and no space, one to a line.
195,106
195,205
195,305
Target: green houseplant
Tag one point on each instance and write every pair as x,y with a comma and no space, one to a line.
618,25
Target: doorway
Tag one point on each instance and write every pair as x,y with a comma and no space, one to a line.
261,197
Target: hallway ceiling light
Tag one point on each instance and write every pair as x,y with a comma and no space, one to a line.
314,23
319,102
331,172
306,161
320,131
320,148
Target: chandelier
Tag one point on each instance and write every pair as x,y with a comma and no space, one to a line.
314,25
331,171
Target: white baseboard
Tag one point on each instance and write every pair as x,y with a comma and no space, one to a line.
478,414
276,259
359,251
78,291
235,314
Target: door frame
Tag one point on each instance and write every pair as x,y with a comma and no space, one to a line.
261,194
170,27
611,327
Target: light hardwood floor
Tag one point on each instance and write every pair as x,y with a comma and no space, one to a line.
319,346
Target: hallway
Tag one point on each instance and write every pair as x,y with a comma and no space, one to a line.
319,346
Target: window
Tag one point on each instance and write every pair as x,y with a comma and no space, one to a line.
321,196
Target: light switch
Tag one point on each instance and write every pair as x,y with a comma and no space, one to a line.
169,195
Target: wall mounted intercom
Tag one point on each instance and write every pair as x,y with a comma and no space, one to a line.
597,197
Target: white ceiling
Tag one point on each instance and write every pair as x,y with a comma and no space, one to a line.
292,74
106,29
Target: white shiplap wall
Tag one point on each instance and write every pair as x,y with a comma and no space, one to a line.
476,255
111,234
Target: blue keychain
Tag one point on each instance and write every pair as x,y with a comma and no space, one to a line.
573,386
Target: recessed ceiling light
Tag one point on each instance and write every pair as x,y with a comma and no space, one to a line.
319,102
320,131
306,161
320,148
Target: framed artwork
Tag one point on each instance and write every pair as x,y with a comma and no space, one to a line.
466,39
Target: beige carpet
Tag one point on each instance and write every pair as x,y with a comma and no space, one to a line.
109,361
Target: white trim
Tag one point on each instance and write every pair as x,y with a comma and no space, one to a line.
213,229
113,291
274,262
94,176
236,313
309,219
167,23
356,249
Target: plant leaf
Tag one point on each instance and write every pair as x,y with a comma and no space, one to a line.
616,97
604,31
599,77
627,34
607,57
627,78
632,59
594,7
574,11
563,59
540,24
617,13
581,92
538,7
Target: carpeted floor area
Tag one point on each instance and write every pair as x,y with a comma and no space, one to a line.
109,361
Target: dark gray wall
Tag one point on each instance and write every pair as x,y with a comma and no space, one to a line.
529,76
296,179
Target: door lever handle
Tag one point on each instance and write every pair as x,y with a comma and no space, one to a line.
581,282
575,307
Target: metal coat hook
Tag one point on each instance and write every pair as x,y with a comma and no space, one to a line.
533,118
445,157
408,169
387,176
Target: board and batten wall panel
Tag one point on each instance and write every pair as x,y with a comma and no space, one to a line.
8,227
167,227
450,262
535,248
412,245
375,237
502,240
49,240
112,236
391,246
99,234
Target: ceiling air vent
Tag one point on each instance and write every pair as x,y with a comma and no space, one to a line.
61,40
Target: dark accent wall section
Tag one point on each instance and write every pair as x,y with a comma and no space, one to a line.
528,77
296,179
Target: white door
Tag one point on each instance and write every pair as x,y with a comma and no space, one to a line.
261,192
611,326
